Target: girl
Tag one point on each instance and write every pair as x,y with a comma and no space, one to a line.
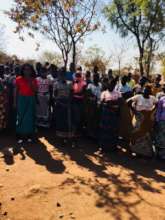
26,89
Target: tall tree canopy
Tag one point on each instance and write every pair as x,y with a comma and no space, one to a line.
143,19
66,22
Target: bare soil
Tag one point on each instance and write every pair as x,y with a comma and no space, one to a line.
49,181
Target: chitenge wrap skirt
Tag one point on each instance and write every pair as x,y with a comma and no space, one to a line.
109,125
26,115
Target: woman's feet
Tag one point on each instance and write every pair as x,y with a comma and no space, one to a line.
20,141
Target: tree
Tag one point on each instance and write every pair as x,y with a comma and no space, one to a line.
143,19
66,22
118,54
95,57
53,58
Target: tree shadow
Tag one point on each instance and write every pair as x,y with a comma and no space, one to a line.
139,167
39,153
80,154
36,151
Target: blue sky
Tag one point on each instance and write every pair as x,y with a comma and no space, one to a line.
110,41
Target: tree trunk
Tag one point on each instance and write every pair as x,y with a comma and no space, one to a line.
141,63
119,68
150,56
74,55
148,64
65,59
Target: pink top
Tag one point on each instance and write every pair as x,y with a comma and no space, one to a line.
110,96
78,86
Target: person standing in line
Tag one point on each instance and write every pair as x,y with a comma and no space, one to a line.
25,101
143,106
62,97
110,117
130,81
93,94
3,112
124,88
44,96
78,90
160,128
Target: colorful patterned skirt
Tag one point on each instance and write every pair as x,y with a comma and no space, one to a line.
126,127
160,139
26,115
141,138
43,111
109,128
63,118
3,121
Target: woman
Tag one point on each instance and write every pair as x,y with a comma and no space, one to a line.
92,110
3,112
110,117
78,89
160,129
44,97
143,107
26,90
62,95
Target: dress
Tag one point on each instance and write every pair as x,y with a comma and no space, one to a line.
26,106
43,107
109,120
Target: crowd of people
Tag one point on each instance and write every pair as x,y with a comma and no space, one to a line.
108,108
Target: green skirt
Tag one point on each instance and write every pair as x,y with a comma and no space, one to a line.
26,115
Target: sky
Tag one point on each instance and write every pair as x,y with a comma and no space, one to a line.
110,42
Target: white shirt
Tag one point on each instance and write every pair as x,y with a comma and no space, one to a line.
143,104
96,90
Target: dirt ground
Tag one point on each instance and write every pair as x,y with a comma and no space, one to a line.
48,181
